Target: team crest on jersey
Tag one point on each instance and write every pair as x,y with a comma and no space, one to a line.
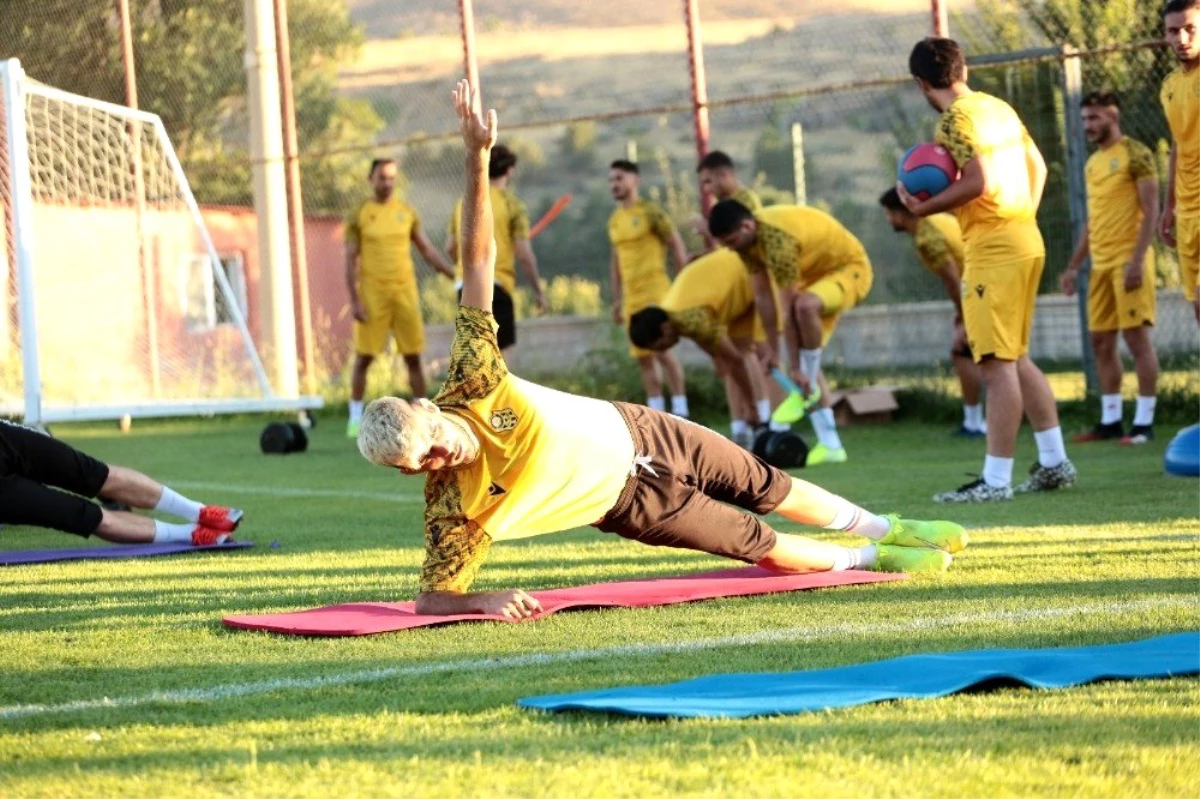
1114,165
503,420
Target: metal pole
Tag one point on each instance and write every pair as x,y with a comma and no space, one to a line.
1072,90
294,198
699,88
631,150
798,181
466,16
941,21
270,196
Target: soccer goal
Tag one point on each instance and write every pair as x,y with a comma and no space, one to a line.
113,300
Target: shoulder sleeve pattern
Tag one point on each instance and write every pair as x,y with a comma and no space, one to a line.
455,546
476,365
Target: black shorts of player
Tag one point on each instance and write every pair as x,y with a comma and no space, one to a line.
505,316
31,462
683,483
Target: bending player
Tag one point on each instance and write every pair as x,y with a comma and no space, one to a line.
507,459
33,465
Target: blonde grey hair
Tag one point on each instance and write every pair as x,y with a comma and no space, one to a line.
385,433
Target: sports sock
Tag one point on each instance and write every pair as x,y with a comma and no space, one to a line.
657,403
997,472
855,558
738,427
810,363
778,427
973,417
826,428
356,409
679,405
763,406
178,505
166,533
1051,450
1110,408
849,518
1144,416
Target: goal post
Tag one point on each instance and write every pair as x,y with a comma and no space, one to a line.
114,299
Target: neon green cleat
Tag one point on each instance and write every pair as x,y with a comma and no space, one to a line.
794,406
910,560
823,454
946,536
352,429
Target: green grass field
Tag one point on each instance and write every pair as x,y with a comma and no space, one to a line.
118,678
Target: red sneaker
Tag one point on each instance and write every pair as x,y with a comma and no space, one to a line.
218,518
206,536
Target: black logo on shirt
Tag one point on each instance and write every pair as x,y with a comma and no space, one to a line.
495,490
503,420
979,289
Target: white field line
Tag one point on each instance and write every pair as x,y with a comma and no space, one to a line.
231,488
223,692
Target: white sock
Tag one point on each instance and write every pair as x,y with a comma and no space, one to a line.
1051,450
356,409
997,472
165,533
1144,417
973,417
657,403
810,363
178,505
679,405
849,518
855,558
1110,408
763,406
738,426
826,428
778,427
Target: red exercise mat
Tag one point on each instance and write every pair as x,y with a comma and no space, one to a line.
366,618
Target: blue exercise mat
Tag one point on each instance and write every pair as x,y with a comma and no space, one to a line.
20,557
910,677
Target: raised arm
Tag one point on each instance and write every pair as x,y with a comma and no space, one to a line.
478,245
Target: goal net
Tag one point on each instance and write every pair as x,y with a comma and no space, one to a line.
113,300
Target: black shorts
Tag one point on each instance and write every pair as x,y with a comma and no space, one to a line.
683,485
505,315
30,462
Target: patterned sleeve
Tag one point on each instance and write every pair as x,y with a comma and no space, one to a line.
455,546
660,224
699,324
932,247
518,216
476,365
781,254
352,231
748,198
956,132
1141,161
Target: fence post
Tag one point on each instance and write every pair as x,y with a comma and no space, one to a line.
691,15
798,182
1072,90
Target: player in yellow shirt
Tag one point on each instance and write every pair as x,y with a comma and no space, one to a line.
1180,223
807,265
1122,188
939,245
995,199
718,177
512,245
505,459
379,234
641,233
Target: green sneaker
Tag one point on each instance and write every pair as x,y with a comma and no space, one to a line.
794,406
910,560
352,429
947,536
823,454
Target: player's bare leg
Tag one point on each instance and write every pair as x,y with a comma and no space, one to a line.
1053,469
1108,368
358,376
652,382
970,383
205,524
1145,363
673,371
416,375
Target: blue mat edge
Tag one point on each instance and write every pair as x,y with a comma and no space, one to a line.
117,554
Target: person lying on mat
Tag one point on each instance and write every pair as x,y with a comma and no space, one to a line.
33,465
505,458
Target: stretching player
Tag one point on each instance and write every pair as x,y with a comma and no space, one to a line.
641,232
382,283
995,200
507,459
1180,96
1122,193
807,265
938,240
33,465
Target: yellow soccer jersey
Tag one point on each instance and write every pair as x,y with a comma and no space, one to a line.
939,239
746,197
1001,224
383,232
1181,102
1114,211
799,245
639,235
708,296
510,223
548,461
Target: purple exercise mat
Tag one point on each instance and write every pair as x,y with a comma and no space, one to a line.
22,556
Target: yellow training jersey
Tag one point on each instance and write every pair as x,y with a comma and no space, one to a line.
747,197
1181,102
548,461
1001,224
799,245
1114,210
383,232
510,223
639,235
938,239
708,296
